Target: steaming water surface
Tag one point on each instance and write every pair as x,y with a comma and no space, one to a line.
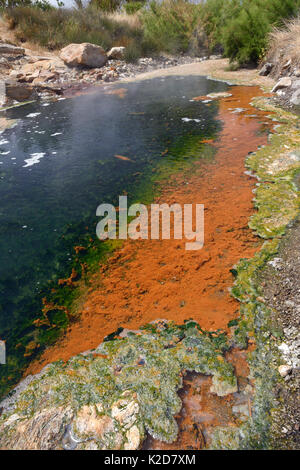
59,163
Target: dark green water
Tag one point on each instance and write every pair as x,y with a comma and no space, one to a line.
58,164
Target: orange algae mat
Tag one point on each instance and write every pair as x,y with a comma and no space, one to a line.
151,279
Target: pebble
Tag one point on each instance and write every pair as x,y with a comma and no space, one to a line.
284,370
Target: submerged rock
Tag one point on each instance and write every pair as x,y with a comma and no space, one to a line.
108,398
219,95
18,91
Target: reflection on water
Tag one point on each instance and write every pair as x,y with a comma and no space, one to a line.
64,159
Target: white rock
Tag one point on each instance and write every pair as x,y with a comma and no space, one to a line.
133,439
116,53
296,85
287,64
284,82
284,370
295,99
125,412
89,423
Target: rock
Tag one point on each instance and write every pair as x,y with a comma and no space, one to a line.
116,53
88,424
9,49
133,439
43,431
287,64
295,99
17,91
125,411
15,74
43,77
284,370
266,69
242,409
296,84
54,65
297,73
284,82
85,54
219,95
109,76
4,63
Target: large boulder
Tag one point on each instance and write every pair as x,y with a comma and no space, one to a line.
116,53
85,54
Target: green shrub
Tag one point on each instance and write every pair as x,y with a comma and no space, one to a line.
133,52
242,28
245,36
106,5
170,25
133,7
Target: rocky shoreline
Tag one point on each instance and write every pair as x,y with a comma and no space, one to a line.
26,76
287,86
280,280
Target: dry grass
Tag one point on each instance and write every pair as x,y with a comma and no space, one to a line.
285,48
132,21
56,28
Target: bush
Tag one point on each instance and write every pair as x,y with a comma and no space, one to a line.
170,24
245,36
106,5
242,28
284,48
133,52
133,7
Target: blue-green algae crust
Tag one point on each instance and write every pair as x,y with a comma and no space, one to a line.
148,366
